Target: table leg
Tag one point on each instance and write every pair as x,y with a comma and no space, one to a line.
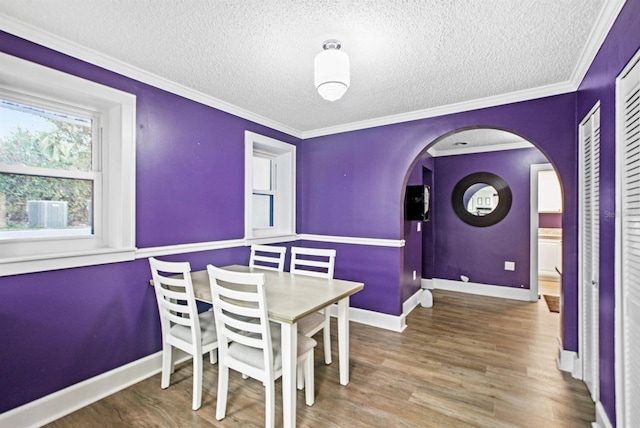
343,339
289,359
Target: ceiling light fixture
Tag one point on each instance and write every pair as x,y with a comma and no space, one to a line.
331,71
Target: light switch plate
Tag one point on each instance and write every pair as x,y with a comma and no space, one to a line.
509,265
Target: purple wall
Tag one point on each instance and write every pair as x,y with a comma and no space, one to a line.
62,327
349,184
619,47
480,252
357,180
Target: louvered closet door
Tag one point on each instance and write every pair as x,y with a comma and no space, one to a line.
628,105
590,239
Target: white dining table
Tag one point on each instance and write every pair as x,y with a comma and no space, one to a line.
290,298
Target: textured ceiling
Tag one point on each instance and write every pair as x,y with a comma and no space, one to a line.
257,55
477,140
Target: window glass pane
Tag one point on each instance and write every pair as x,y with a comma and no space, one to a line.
32,136
33,206
261,173
262,211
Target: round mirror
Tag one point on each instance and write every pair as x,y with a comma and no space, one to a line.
481,199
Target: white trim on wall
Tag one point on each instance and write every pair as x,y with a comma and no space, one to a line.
602,420
49,40
480,289
143,253
376,242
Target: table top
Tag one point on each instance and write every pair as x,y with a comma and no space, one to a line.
289,297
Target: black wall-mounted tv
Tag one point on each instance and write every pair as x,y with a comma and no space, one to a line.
416,203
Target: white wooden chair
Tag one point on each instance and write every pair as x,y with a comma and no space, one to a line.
247,343
182,326
319,263
267,257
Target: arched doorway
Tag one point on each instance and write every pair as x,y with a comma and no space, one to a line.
501,260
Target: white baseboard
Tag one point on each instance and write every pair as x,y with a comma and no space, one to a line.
479,289
602,420
427,283
395,323
567,360
54,406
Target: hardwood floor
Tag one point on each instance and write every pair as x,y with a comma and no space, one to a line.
469,361
549,285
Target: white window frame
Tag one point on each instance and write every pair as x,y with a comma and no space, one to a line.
114,237
283,156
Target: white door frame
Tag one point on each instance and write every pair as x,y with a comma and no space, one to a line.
581,363
533,225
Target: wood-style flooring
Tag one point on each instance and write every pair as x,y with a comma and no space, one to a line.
469,361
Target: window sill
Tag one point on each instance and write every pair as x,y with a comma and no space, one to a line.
31,264
272,239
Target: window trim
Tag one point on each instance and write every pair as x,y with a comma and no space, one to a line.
117,157
284,158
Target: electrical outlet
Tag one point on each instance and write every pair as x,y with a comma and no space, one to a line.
509,265
414,275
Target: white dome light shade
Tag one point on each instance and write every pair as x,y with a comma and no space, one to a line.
331,73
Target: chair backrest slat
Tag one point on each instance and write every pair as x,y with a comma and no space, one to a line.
239,306
267,257
175,296
316,262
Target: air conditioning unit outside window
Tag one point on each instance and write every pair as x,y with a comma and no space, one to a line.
47,214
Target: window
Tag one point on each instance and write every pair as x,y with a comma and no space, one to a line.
67,170
269,189
48,174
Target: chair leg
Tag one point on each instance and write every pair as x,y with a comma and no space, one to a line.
309,382
270,403
167,365
197,381
223,390
327,337
213,356
300,374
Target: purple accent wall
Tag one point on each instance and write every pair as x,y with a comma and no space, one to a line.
480,252
550,220
62,327
617,50
358,178
70,325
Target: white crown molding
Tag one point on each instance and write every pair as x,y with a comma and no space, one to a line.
91,56
509,98
434,152
605,21
603,24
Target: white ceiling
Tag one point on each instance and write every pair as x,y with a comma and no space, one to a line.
254,58
477,141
